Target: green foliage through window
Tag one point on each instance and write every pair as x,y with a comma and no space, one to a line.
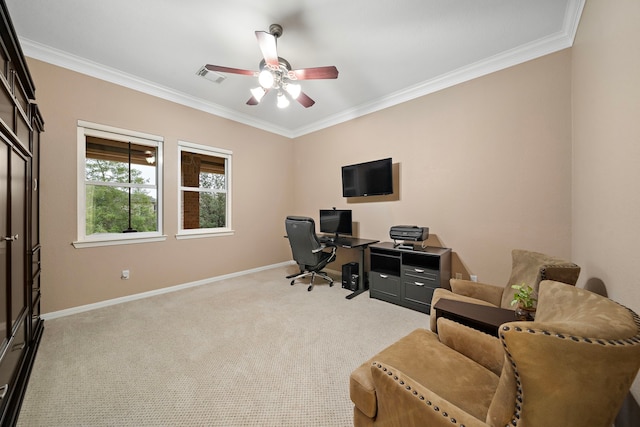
119,197
204,191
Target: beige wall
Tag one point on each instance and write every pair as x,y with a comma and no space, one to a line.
606,146
262,193
486,165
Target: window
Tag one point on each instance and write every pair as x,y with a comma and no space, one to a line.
205,190
119,186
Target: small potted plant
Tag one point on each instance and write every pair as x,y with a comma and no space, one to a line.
525,301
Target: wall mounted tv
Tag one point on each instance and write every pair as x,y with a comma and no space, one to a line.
367,179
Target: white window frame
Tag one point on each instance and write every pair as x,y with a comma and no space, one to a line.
206,150
117,134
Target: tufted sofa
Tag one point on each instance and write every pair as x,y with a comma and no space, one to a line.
572,366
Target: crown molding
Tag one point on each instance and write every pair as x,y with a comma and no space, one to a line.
536,49
545,46
75,63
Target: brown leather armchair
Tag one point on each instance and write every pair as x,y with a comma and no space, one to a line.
527,267
571,367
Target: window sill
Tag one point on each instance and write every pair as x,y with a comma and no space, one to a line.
111,242
204,234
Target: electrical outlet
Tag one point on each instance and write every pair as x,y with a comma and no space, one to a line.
125,275
474,278
458,275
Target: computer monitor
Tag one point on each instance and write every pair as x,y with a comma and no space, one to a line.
336,221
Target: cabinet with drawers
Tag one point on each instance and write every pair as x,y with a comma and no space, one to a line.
20,127
408,277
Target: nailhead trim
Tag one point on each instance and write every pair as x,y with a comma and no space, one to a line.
621,342
419,396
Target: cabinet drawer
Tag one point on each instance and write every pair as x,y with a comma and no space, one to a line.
10,361
384,284
417,295
35,298
35,261
421,274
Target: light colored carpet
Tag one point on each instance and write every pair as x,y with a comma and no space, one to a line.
248,351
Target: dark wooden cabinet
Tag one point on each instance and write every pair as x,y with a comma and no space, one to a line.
20,127
408,277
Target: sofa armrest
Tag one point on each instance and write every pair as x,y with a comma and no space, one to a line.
482,291
483,348
404,402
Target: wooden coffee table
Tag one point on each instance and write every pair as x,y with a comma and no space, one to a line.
481,317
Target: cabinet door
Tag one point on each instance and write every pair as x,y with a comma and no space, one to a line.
17,233
35,191
4,244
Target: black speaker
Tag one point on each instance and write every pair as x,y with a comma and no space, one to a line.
350,276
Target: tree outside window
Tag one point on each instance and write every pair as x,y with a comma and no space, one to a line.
119,189
121,195
204,188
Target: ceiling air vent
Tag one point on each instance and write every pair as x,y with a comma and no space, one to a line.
211,75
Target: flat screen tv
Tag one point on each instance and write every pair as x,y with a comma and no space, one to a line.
336,221
367,179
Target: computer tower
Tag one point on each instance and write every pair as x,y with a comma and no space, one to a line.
350,276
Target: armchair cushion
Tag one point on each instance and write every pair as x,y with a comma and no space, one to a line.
447,373
405,402
483,348
481,291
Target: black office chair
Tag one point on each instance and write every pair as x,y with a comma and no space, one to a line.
307,250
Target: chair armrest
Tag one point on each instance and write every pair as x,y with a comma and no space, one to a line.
402,401
324,246
483,348
483,291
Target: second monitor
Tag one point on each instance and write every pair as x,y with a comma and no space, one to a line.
336,222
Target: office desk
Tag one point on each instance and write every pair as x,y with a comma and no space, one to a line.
354,243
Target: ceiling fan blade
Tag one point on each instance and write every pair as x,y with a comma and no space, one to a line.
330,72
255,101
305,100
267,43
221,69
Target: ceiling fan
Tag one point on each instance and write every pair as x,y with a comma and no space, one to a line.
275,73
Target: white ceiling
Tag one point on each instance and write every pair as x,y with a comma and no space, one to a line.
387,51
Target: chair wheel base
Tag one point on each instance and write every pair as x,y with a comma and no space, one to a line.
292,282
310,288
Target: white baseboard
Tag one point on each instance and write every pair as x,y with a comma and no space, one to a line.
114,301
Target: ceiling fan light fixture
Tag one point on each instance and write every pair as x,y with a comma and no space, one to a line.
293,89
275,73
283,102
266,79
258,93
